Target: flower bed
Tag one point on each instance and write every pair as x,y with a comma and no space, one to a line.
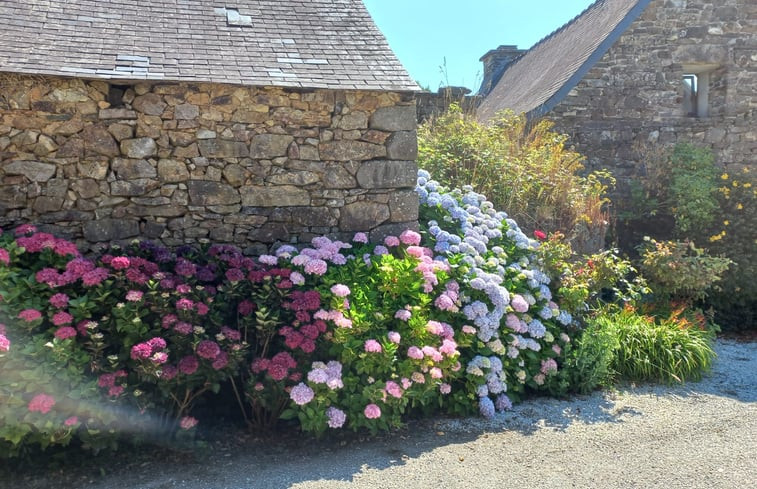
456,319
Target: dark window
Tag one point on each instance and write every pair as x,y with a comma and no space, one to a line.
116,95
691,95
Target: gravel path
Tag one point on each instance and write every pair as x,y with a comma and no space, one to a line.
699,435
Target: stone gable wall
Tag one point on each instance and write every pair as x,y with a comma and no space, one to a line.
633,96
182,163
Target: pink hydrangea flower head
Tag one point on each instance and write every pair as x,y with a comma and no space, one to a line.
301,394
185,304
71,421
468,329
188,422
269,260
61,318
59,301
221,361
372,411
259,365
234,275
316,267
403,315
449,347
208,349
5,257
41,403
548,366
445,388
65,332
556,349
134,295
393,389
434,327
436,373
297,278
360,238
141,351
5,343
116,391
183,327
169,372
340,290
201,308
415,353
189,365
391,241
29,315
372,346
25,229
416,251
394,337
120,263
231,334
518,303
410,238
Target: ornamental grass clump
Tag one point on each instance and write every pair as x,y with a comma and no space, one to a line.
664,350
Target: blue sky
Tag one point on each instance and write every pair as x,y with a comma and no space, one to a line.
440,41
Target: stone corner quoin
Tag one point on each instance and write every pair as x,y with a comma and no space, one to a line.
183,163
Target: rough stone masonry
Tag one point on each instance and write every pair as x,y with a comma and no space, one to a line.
182,163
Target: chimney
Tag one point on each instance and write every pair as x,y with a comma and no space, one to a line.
495,62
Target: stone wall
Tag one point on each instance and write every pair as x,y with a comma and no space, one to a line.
430,104
632,99
182,163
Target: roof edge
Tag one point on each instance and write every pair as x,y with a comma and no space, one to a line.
595,56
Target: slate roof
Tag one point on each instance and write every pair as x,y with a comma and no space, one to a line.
542,76
294,43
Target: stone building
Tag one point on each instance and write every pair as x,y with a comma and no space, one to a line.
628,75
257,122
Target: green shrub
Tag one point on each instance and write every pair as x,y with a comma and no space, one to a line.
589,362
668,350
523,168
733,234
678,270
592,282
680,183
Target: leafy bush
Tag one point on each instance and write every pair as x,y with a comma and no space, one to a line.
591,283
667,350
588,365
678,270
733,234
681,183
524,168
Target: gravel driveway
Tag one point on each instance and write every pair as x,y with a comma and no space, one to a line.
699,435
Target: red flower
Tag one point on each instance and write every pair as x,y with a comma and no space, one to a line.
540,235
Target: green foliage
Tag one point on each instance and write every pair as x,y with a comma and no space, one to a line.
588,364
734,234
665,351
522,168
692,189
681,183
678,270
591,282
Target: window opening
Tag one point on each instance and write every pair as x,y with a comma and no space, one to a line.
690,95
116,95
